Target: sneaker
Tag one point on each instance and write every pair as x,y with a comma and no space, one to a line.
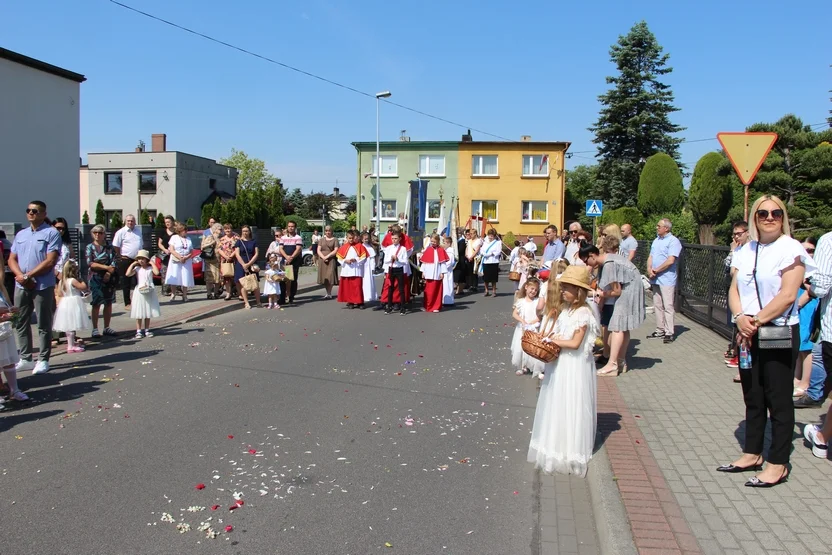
42,367
139,334
23,365
668,339
18,396
810,432
110,331
96,333
388,310
75,349
148,333
656,335
806,402
733,363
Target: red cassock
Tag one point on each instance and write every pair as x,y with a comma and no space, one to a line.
351,287
433,284
407,243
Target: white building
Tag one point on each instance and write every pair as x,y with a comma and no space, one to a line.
171,182
39,137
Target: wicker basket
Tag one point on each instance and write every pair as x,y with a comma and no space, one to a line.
514,276
534,346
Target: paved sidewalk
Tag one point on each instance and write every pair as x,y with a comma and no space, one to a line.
682,399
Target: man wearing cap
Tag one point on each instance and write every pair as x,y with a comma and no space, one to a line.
127,244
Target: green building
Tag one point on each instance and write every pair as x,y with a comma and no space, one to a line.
401,162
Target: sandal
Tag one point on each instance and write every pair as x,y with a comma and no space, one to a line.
519,372
798,392
613,370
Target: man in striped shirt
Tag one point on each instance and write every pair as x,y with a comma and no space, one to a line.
820,286
291,249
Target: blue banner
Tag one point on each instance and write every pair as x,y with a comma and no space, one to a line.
418,202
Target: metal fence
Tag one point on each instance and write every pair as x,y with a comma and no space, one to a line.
702,286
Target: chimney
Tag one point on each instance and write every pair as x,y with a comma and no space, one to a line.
159,142
526,138
336,192
467,138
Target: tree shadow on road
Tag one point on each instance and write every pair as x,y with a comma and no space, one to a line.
608,422
9,421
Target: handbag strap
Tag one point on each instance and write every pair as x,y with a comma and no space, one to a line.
757,285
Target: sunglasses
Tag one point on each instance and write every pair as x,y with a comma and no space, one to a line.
32,211
97,232
810,251
776,214
573,232
60,228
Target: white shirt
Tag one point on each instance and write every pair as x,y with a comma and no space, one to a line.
491,252
128,242
571,253
822,284
512,258
396,256
772,259
352,269
531,247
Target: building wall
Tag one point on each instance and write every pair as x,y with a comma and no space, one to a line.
396,189
39,142
182,182
510,188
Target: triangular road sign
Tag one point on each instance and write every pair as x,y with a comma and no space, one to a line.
594,210
747,152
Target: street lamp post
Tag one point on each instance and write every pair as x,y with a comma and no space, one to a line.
379,96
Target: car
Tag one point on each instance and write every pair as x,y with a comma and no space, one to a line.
196,239
307,257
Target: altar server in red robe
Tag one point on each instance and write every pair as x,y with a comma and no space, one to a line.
407,243
434,267
351,256
396,269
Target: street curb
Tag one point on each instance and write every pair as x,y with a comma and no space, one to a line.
612,524
231,307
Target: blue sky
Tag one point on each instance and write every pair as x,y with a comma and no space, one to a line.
524,68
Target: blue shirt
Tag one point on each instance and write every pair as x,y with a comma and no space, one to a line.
662,249
31,248
627,246
554,250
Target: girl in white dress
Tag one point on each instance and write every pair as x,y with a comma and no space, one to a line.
448,280
8,350
145,301
71,314
180,266
525,313
369,281
271,288
563,436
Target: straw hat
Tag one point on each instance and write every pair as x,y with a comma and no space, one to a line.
577,276
143,254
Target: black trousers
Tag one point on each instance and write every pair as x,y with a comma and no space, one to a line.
472,280
290,288
396,276
826,349
767,390
127,283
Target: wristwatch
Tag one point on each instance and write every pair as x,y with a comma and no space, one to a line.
757,322
25,277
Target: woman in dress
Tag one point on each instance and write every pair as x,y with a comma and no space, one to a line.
211,264
763,299
164,253
101,264
246,253
327,265
620,281
563,435
491,252
180,272
66,253
227,255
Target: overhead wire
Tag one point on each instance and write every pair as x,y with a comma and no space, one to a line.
303,72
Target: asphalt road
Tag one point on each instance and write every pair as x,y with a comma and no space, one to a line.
341,431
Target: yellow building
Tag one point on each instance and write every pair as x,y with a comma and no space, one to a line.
518,186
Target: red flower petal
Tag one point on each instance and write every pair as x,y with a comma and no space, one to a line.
240,502
200,486
252,451
229,528
214,507
230,436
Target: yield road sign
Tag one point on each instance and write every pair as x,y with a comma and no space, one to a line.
747,152
594,208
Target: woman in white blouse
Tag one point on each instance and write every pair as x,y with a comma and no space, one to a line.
763,300
180,266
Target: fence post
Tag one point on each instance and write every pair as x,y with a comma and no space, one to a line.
710,286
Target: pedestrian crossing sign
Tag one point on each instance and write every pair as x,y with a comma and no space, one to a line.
594,208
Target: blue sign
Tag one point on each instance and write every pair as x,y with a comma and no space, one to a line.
594,208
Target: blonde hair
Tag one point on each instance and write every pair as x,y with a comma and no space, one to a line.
580,299
521,293
69,271
559,266
753,232
553,300
612,230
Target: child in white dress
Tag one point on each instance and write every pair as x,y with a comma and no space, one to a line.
525,313
369,282
563,435
272,286
71,314
145,301
448,280
8,349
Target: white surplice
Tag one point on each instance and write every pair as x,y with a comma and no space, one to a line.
448,280
369,282
352,269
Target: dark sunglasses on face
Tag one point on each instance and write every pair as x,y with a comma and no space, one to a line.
32,211
810,251
776,214
60,228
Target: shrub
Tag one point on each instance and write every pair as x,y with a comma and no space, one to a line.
100,216
710,195
190,223
115,222
684,227
85,219
509,239
338,226
301,223
160,221
144,218
660,189
623,215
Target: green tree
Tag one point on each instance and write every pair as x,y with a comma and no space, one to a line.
207,211
634,121
100,216
710,196
251,172
85,218
115,221
340,226
313,203
580,185
190,223
275,196
684,223
624,215
160,221
660,188
216,210
294,202
352,219
144,218
301,223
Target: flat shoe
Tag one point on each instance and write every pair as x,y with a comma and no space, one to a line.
755,482
733,469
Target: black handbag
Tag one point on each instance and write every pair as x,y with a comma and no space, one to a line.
770,336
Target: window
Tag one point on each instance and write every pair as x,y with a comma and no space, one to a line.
484,165
535,211
112,183
535,165
389,166
432,165
389,210
147,182
433,209
485,208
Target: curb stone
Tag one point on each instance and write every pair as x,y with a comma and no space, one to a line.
611,521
